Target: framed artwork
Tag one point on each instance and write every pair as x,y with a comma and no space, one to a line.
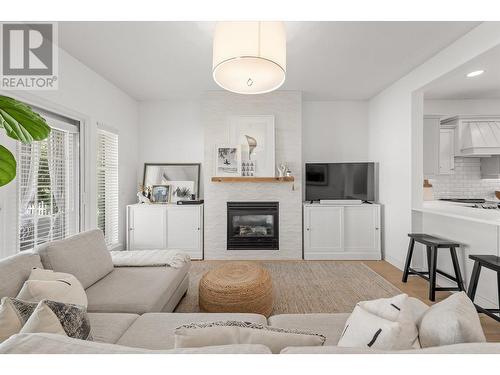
256,137
160,193
186,175
181,190
227,160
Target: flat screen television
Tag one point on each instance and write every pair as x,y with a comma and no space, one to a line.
340,181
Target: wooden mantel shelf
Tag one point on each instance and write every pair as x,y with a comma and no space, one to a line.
253,179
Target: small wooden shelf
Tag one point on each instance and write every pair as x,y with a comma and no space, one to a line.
253,179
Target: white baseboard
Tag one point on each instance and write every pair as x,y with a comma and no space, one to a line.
343,256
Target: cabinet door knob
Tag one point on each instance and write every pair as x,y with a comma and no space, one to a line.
199,228
377,228
307,229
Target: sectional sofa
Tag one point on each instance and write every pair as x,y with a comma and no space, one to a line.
130,308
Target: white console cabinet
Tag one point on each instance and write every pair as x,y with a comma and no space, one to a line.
347,232
169,226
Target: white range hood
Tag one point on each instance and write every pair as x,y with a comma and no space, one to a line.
475,136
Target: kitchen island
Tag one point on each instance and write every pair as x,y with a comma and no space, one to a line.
477,229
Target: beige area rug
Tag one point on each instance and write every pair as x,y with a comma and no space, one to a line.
306,286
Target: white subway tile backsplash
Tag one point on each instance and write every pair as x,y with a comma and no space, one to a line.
466,182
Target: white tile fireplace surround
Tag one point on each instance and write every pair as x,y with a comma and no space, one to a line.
286,106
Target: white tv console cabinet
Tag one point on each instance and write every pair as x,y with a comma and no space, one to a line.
166,226
342,232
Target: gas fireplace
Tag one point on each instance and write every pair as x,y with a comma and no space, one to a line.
252,225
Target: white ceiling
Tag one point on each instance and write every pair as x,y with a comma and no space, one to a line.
455,85
325,60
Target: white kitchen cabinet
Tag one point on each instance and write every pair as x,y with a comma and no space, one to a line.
431,133
342,232
446,151
168,226
490,167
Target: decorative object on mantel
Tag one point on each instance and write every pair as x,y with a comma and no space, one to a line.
249,57
256,137
160,193
282,169
497,194
428,194
183,178
227,160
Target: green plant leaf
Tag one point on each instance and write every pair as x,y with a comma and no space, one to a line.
7,166
20,122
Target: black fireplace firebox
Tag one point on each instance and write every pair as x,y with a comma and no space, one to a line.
253,225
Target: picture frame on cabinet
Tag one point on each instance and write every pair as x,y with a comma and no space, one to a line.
160,194
173,174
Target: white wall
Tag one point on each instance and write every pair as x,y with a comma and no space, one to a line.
462,107
170,132
394,129
83,94
335,131
286,106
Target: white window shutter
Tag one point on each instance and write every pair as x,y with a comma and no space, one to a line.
48,207
107,185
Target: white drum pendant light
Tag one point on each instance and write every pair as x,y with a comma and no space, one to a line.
249,57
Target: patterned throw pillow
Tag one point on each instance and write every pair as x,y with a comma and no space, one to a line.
237,332
13,315
59,318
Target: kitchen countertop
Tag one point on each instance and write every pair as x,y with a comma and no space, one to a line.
461,211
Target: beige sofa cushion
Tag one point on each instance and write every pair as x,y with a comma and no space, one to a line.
232,332
156,331
44,343
329,325
472,348
135,289
452,321
84,255
14,271
109,327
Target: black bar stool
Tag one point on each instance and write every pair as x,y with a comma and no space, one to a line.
493,263
433,244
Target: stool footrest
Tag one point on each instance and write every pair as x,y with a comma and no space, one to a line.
447,289
489,312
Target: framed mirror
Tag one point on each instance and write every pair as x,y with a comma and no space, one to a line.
183,178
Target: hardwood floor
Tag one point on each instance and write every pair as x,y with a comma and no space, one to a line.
419,288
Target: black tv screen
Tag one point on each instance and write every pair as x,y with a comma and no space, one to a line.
340,181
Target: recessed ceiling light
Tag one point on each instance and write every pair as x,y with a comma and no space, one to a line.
475,73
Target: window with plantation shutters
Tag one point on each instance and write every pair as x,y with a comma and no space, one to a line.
107,185
48,181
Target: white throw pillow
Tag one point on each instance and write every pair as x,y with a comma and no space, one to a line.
385,323
13,314
235,332
55,286
452,321
59,318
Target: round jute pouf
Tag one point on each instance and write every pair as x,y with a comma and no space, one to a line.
237,287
